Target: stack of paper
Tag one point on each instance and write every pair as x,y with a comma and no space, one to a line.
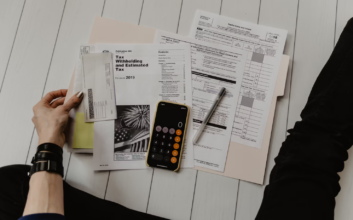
221,52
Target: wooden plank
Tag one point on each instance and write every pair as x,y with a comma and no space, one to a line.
314,44
220,202
81,175
246,10
25,76
215,197
345,197
10,14
171,193
280,14
130,188
161,14
123,10
74,30
188,11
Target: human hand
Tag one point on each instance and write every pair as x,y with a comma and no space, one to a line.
50,118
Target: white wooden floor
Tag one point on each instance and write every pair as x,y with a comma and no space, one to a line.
39,42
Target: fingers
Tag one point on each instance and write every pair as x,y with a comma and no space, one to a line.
57,102
74,101
53,95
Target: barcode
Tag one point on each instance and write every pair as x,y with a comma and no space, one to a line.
90,104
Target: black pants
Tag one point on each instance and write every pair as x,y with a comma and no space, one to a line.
304,182
14,186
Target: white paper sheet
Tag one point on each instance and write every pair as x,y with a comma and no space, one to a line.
264,48
213,66
143,75
98,87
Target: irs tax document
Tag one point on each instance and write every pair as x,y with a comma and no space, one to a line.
98,87
263,47
143,75
213,67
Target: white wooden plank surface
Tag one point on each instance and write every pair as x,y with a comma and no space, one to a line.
123,10
10,14
345,197
171,193
246,10
314,44
74,30
220,202
215,197
130,188
161,14
81,175
280,14
188,11
25,76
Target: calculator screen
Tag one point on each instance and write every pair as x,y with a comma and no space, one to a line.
167,136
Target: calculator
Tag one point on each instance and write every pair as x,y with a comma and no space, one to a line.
166,144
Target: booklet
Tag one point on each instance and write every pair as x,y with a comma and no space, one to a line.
213,66
143,75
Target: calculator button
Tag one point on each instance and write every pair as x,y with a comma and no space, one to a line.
167,152
158,128
157,135
163,143
166,159
169,144
178,132
173,160
155,142
175,153
165,129
156,156
177,139
161,151
171,131
164,136
170,138
180,124
154,149
176,146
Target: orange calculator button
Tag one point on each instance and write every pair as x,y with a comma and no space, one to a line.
177,139
178,132
176,146
175,153
173,160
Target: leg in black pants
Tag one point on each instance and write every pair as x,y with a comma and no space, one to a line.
14,186
304,182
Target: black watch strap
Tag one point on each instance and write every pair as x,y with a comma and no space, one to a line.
51,148
50,166
47,156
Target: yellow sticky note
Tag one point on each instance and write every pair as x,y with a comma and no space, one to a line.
83,132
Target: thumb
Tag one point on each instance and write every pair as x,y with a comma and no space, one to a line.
74,101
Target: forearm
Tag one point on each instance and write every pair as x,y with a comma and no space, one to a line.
45,194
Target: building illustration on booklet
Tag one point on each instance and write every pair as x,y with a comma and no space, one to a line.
132,132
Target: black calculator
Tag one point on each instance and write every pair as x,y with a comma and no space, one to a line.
167,137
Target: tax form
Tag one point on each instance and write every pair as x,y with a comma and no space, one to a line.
213,67
263,47
143,75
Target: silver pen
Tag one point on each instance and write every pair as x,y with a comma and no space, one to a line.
209,114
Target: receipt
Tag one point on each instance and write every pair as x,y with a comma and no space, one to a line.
213,67
263,47
98,87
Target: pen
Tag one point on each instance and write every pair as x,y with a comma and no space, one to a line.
209,114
